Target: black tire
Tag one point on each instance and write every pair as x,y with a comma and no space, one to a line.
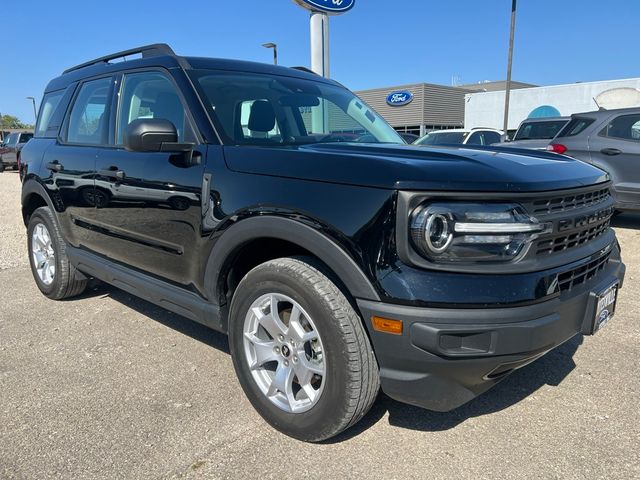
352,377
1,167
67,280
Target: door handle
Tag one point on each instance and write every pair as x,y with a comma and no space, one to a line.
112,172
610,151
54,166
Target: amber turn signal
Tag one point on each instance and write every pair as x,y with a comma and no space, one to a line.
386,325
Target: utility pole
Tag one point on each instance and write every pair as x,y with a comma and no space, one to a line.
509,64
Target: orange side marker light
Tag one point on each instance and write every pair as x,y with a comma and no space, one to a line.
386,325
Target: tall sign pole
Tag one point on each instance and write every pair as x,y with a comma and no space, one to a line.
319,35
319,29
509,63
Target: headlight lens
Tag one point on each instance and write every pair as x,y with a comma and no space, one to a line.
473,232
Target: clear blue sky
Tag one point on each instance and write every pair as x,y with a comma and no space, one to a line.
379,43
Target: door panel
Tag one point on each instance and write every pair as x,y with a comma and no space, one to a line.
616,149
70,185
151,215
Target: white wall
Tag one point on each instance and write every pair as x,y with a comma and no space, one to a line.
486,109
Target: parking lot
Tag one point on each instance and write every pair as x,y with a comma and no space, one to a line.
109,386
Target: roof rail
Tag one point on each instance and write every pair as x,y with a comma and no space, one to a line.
153,50
304,69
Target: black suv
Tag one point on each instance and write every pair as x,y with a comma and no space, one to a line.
274,205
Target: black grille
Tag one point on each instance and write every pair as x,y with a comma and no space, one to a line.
562,242
580,275
570,202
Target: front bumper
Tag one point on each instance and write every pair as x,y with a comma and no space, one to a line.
445,357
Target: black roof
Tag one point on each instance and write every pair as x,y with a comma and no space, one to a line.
161,55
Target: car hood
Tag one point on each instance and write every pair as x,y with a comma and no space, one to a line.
418,168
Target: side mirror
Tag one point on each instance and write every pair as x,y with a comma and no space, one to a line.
153,135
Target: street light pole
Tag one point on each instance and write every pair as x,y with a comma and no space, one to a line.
509,64
275,51
35,110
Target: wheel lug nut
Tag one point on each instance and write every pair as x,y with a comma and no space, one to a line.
295,359
286,363
276,349
281,338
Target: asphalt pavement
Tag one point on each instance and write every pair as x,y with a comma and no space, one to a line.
110,386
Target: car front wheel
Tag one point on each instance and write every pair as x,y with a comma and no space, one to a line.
300,350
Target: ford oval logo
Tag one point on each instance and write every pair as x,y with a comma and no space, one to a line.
397,99
327,6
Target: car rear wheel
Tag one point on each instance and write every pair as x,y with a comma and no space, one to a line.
55,276
300,350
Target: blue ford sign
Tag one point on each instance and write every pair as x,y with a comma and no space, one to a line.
327,6
397,99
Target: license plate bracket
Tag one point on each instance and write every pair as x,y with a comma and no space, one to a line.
606,302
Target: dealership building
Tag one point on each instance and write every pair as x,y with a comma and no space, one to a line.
427,106
486,109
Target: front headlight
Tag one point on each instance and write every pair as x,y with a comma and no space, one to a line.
473,232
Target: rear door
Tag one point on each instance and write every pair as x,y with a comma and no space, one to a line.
71,161
616,149
151,215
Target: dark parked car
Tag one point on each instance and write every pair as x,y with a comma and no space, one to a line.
609,139
536,133
335,267
10,149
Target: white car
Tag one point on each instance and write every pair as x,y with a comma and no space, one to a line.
461,136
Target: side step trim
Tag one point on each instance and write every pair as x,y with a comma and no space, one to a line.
163,294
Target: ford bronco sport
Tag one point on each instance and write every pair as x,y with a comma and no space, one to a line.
275,206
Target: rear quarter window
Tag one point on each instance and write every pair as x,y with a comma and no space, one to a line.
50,104
52,111
575,127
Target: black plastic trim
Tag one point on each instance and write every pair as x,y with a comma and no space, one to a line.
165,295
306,237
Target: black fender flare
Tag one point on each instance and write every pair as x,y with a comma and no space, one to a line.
33,187
324,248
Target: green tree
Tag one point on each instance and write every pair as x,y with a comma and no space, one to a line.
10,121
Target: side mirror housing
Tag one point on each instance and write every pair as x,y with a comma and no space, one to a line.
153,135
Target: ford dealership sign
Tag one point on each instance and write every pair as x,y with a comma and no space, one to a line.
333,7
398,99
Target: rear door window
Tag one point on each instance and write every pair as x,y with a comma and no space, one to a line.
624,127
89,118
575,126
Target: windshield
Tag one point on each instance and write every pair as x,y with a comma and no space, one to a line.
442,138
539,130
267,110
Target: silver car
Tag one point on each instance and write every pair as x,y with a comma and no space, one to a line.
536,133
609,139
